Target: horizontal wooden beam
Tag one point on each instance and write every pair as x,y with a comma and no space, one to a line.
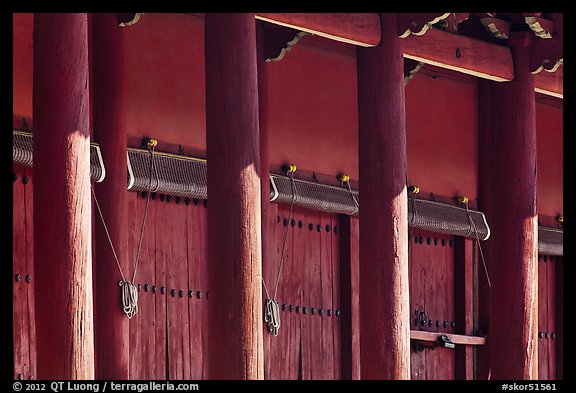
362,29
455,338
461,53
550,83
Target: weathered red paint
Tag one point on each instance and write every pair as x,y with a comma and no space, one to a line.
234,215
464,304
22,289
384,341
432,290
62,198
507,194
111,327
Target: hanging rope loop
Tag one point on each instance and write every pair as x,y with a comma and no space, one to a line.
272,316
129,296
464,202
128,291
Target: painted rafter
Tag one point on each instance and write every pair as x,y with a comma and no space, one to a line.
279,40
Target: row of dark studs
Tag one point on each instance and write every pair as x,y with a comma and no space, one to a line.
313,310
546,335
24,178
18,277
419,322
177,199
173,292
420,240
546,258
300,224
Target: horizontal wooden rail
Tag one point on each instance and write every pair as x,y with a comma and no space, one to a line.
455,338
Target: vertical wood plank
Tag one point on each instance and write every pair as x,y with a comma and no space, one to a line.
417,301
292,284
559,341
543,372
355,293
552,310
29,221
335,325
19,293
160,300
324,284
195,244
135,324
463,303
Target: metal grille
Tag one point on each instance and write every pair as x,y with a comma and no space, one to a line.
314,196
448,219
550,241
428,215
171,174
22,153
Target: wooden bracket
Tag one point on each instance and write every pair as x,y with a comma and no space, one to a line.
547,53
498,28
411,68
542,28
278,41
418,23
125,20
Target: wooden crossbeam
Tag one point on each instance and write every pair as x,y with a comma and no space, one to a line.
455,338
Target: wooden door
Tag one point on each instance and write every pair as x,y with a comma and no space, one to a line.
308,343
23,274
169,335
548,332
432,308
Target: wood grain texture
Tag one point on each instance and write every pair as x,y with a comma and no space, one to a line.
62,170
507,156
543,364
20,316
385,342
234,216
111,324
29,223
477,58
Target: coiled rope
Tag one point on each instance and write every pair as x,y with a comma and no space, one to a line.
128,291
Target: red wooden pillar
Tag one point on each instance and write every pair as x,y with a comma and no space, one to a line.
62,212
234,215
507,193
111,329
384,303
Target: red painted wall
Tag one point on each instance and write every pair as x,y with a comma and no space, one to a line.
550,160
22,69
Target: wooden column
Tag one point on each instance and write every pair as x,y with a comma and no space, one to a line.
507,194
234,212
112,325
384,303
62,212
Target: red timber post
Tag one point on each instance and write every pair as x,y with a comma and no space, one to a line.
507,194
234,215
62,212
384,302
112,325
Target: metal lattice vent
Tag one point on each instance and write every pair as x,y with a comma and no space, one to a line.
171,174
550,241
313,196
448,219
422,214
22,154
